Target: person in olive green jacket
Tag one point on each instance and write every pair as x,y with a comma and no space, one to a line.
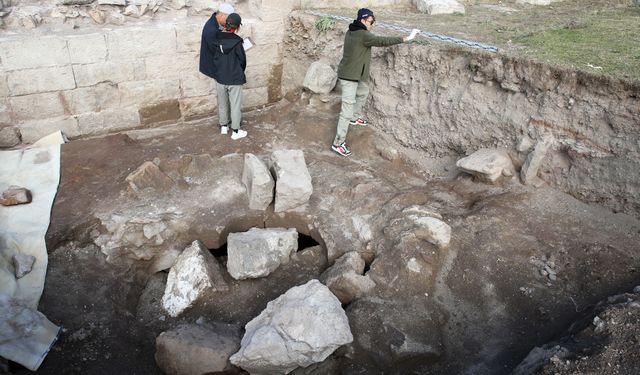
353,73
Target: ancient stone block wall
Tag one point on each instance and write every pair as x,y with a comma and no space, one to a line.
95,79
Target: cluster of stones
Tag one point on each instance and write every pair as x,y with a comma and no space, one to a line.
12,196
493,165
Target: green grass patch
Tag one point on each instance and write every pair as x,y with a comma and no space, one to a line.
608,43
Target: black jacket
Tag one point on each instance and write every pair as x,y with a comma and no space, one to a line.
229,59
209,32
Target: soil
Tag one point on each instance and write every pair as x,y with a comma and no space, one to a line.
480,305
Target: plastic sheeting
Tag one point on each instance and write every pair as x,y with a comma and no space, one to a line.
25,334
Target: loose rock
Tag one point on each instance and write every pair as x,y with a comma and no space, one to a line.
301,327
487,164
439,6
15,195
320,78
23,264
148,176
197,349
345,278
529,171
9,137
195,274
258,252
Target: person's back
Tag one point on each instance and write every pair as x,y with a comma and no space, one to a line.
229,58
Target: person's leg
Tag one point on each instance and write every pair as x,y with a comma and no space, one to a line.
362,93
235,100
223,104
346,113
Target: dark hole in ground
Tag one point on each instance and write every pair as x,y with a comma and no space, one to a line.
305,242
221,254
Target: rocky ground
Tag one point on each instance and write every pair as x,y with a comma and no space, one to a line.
521,266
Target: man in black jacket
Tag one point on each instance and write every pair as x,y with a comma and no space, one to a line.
230,62
214,25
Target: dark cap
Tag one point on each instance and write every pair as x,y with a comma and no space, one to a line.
365,13
233,21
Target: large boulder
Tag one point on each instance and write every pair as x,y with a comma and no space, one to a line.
345,278
193,349
487,164
195,274
293,181
439,6
301,327
258,181
258,252
320,78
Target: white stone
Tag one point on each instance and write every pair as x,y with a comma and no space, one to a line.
112,2
269,51
434,7
487,164
270,10
92,74
34,52
432,230
299,328
196,349
86,49
195,84
171,66
136,42
268,32
164,260
188,37
92,99
34,81
293,181
9,136
258,252
4,87
37,106
110,120
258,181
531,166
34,130
195,274
147,92
320,78
345,278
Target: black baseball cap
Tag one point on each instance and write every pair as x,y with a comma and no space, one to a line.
234,20
365,13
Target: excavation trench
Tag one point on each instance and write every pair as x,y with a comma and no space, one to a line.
478,305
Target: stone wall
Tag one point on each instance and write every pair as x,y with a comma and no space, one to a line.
95,79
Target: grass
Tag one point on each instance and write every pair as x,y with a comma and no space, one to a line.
599,36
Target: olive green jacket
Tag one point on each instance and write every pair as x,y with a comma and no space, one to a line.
356,57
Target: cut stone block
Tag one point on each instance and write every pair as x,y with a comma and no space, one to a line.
293,181
35,52
258,181
258,252
88,48
34,81
434,7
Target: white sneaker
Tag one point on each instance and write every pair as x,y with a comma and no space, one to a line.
224,129
238,134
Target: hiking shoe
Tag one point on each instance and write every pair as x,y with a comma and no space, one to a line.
224,129
238,134
359,121
341,149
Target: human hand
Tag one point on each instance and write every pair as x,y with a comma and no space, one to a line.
413,34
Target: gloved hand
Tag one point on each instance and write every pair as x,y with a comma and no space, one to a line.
413,34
